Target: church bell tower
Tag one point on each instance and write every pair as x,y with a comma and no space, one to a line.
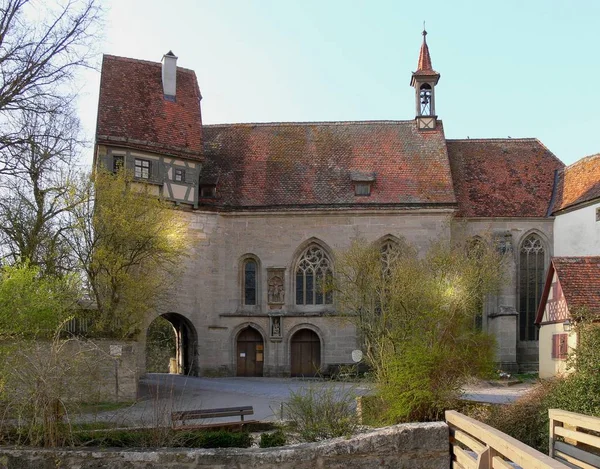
424,81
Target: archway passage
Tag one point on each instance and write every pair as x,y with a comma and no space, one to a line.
250,353
185,346
305,353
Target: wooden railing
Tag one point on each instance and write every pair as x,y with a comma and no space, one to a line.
572,440
475,445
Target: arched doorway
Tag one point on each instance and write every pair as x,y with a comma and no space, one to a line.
305,351
184,345
250,352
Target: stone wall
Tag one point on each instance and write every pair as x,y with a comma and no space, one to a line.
408,446
210,293
501,317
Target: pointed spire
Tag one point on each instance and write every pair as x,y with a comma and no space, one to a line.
424,57
424,68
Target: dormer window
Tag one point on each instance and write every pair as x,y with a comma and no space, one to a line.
142,169
362,188
362,182
208,191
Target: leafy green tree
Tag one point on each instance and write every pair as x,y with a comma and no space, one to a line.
131,245
34,306
417,319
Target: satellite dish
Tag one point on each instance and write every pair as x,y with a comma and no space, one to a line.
357,356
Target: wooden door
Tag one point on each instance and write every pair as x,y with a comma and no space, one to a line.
305,353
250,353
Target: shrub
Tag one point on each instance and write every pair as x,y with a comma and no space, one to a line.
418,318
270,440
319,413
527,418
147,438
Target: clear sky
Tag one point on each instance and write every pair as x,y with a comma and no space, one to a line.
524,68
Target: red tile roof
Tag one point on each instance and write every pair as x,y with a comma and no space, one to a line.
579,279
133,112
502,177
578,183
424,67
312,164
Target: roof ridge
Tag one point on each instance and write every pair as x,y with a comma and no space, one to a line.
583,160
575,257
141,61
272,124
495,139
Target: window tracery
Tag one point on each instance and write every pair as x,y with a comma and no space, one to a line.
531,281
390,252
313,277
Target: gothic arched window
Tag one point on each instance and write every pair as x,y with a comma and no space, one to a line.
531,282
250,274
390,252
313,277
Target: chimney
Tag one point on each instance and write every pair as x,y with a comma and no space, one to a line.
169,75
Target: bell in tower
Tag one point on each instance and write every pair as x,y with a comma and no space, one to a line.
424,81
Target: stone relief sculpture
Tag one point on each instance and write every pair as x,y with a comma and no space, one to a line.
276,326
276,289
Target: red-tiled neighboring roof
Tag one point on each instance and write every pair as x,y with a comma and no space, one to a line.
578,183
502,177
133,112
579,279
311,164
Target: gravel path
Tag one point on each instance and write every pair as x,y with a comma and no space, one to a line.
161,394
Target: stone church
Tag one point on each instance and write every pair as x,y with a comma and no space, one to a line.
269,204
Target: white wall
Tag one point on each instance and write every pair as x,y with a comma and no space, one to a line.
577,233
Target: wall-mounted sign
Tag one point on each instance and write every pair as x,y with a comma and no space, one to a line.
242,355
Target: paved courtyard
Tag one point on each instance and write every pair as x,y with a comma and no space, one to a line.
161,394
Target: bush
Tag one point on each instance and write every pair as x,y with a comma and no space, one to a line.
319,413
527,418
147,438
270,440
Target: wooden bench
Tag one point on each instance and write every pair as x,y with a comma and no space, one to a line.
186,415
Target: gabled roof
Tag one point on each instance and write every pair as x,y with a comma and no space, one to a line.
133,112
579,279
502,177
312,164
578,183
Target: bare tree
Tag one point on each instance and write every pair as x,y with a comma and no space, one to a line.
35,200
41,47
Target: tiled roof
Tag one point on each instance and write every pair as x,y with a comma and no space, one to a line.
578,183
424,66
133,112
579,279
502,177
312,164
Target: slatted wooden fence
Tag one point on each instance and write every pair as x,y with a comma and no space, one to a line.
574,439
475,445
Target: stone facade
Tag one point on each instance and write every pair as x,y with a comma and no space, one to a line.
414,446
211,292
260,196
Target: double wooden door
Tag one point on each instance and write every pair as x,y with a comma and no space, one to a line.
305,353
250,353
